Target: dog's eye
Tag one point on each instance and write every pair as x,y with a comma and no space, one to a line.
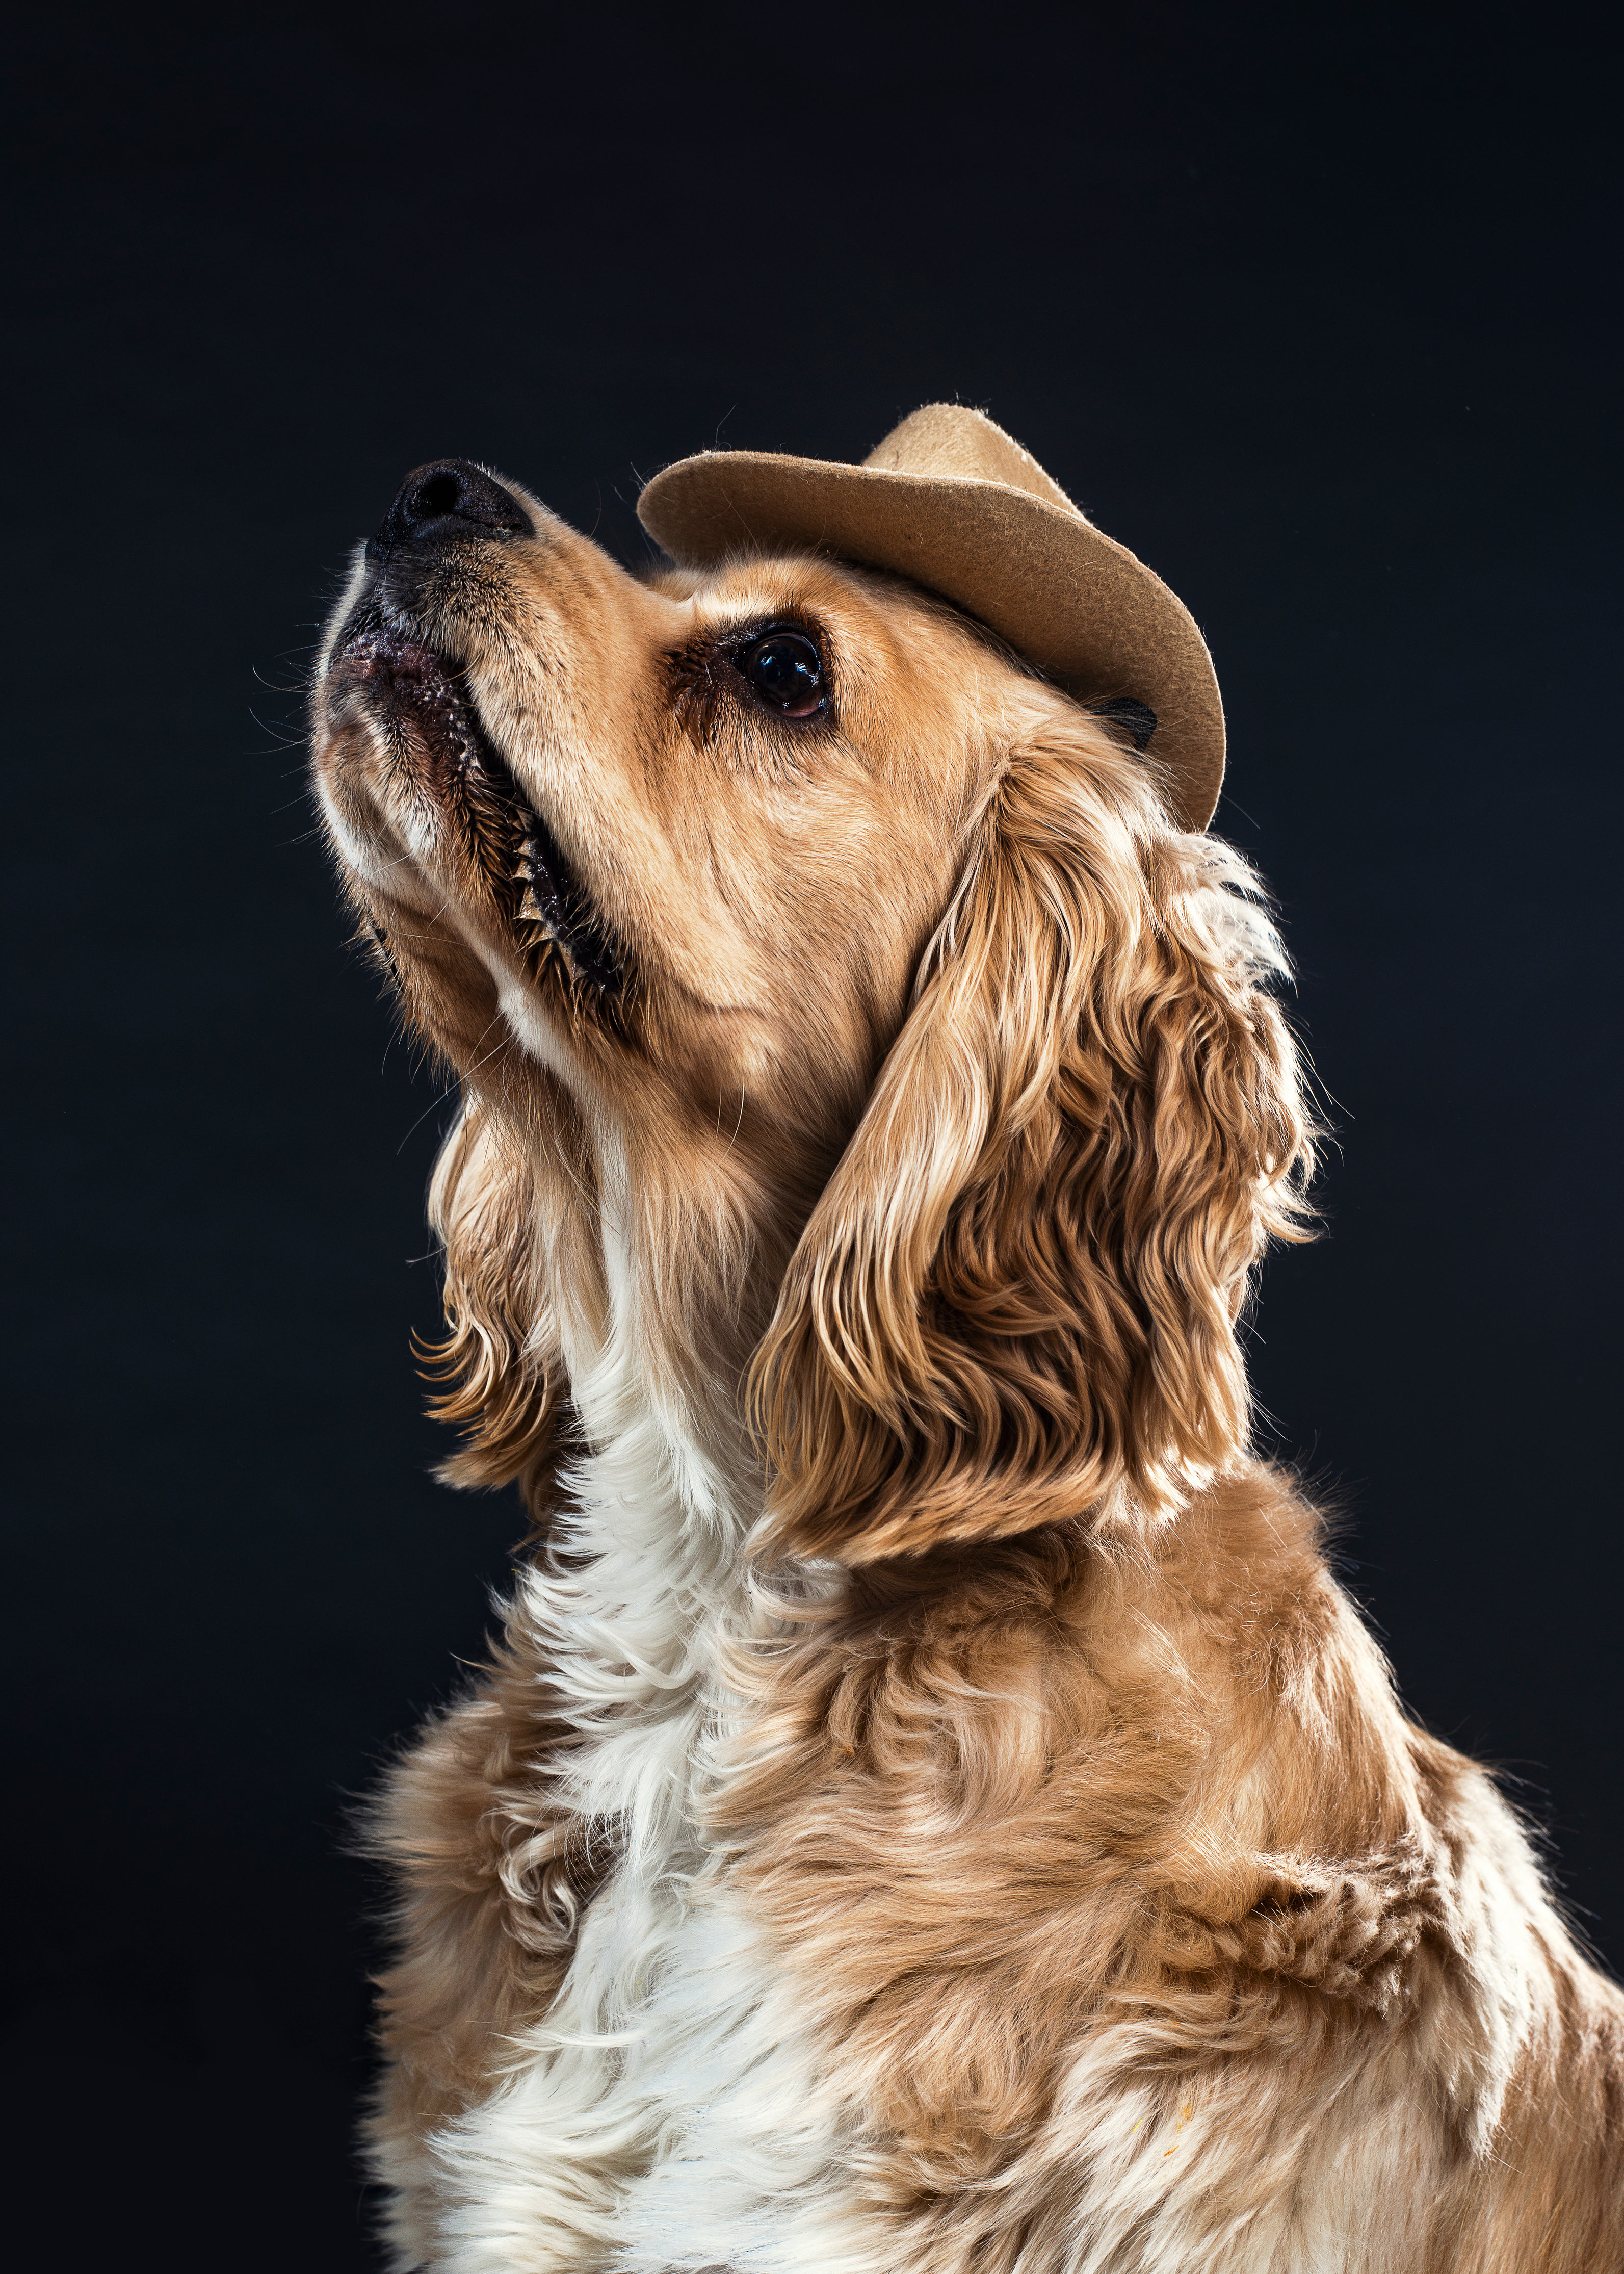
786,670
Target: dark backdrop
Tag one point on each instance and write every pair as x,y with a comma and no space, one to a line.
1305,306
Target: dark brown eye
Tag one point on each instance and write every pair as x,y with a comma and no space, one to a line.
786,670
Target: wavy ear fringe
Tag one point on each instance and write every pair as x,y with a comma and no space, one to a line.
503,1374
1018,1294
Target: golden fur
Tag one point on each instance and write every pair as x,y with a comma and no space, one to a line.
911,1180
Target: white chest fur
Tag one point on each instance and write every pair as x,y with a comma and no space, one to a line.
666,2113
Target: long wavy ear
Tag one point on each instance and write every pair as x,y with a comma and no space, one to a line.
1018,1294
500,1358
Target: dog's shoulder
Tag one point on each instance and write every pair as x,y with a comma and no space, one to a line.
1154,1792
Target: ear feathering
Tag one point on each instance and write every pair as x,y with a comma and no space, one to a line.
1019,1291
498,1358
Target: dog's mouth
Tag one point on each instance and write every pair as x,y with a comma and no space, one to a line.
424,706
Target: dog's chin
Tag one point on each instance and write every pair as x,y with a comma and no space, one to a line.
421,705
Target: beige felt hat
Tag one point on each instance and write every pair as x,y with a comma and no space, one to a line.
952,501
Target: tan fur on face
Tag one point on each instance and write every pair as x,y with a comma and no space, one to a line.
773,884
914,1622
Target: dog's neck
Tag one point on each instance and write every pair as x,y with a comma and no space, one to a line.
656,1379
645,1589
657,1354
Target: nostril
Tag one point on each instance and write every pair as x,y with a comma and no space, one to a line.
440,493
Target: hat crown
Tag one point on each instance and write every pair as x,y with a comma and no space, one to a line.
945,439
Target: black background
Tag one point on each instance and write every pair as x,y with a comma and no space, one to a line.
1307,305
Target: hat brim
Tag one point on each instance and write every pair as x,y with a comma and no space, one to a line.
1070,599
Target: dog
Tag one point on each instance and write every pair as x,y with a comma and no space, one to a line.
931,1805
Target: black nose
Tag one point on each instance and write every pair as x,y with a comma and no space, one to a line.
451,498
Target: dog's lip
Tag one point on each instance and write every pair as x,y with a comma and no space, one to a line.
396,662
545,908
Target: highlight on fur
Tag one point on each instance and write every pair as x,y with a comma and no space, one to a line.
1020,1290
503,1382
930,1808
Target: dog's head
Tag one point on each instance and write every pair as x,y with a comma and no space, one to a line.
830,997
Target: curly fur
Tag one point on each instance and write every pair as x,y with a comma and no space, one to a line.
1019,1289
931,1806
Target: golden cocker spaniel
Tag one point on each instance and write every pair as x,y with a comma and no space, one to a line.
931,1810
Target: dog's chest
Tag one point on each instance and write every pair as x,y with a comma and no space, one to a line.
674,2111
670,2113
745,2169
667,2111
